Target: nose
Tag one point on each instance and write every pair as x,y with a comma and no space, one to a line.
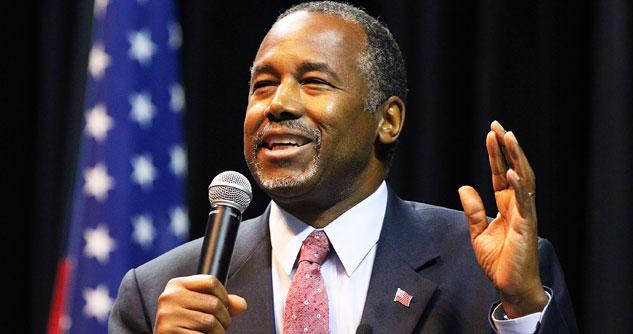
286,103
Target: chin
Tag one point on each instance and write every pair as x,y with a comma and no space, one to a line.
282,185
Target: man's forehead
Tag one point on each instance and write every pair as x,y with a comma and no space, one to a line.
314,30
302,18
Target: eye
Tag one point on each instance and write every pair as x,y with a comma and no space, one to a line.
315,81
263,83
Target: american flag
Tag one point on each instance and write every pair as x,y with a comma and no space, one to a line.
128,201
403,297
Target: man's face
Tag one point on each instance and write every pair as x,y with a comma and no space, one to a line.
306,133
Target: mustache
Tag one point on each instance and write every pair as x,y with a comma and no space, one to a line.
294,124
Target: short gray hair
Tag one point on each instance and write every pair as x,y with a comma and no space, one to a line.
381,63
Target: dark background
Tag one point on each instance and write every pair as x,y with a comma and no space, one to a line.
559,74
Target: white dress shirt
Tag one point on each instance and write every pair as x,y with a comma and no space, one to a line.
347,269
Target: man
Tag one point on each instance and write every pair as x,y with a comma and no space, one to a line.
326,106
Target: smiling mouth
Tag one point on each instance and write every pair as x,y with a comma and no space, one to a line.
284,142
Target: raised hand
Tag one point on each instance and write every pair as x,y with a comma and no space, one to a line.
506,248
196,304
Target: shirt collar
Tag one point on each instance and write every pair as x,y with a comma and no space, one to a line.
352,235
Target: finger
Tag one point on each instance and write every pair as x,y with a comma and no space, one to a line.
213,305
200,322
186,320
474,210
500,131
196,301
208,284
498,165
519,161
193,300
524,202
184,331
237,305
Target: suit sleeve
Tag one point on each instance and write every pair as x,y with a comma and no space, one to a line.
128,313
559,316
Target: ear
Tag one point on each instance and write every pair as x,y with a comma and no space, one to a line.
391,120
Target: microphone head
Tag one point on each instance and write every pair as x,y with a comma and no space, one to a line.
231,189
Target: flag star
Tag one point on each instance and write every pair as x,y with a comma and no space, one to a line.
142,109
99,244
141,46
178,160
175,35
144,231
98,123
65,322
98,302
176,98
100,7
179,222
144,172
97,182
98,61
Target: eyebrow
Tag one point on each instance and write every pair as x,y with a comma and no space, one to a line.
317,67
265,68
302,69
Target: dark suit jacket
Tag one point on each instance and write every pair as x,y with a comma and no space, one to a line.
423,249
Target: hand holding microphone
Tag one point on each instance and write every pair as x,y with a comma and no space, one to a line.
200,302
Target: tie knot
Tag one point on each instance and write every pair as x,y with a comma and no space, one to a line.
315,248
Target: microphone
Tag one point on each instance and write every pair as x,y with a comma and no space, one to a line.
230,194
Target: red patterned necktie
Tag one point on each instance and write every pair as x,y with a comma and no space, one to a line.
306,305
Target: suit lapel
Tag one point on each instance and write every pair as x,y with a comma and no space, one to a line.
404,249
250,277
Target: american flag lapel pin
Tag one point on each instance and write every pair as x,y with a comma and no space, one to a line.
403,297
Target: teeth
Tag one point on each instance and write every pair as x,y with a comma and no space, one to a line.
283,142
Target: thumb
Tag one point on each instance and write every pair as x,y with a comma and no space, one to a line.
237,305
474,210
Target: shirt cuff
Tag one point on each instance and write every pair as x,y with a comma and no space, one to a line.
522,325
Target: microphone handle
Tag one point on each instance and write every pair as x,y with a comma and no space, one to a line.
219,239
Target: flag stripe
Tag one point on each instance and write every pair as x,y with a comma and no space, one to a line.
59,297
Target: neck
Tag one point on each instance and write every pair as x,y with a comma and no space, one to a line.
319,214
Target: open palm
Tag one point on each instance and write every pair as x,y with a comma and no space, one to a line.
506,247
